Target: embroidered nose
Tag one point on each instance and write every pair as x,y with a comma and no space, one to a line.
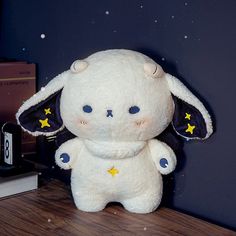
109,113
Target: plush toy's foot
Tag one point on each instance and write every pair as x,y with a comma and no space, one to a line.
142,204
90,204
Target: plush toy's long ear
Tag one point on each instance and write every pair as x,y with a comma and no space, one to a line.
40,115
191,120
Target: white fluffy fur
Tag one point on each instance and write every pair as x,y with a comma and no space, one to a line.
138,185
180,91
116,80
53,86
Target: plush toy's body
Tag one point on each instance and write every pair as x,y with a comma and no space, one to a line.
116,102
135,182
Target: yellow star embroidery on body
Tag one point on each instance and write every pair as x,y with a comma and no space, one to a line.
47,111
190,128
44,123
113,171
187,116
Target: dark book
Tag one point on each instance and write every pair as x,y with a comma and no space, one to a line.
17,84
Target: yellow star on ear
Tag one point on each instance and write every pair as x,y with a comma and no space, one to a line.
44,123
190,128
187,116
47,111
113,171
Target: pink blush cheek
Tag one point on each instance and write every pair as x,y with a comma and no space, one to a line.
142,123
82,122
83,127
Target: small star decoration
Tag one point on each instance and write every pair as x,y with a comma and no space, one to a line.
113,171
187,116
47,111
190,128
44,123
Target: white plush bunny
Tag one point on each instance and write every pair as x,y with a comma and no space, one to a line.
115,102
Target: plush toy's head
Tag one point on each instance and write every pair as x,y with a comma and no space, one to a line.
117,95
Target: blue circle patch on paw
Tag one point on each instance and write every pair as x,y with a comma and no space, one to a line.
163,162
65,158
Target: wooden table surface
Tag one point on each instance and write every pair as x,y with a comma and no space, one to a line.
50,211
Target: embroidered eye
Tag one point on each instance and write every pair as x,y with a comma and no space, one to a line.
87,109
134,109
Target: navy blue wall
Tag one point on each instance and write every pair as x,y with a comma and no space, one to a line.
194,40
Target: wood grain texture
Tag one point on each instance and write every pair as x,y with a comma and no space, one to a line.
50,211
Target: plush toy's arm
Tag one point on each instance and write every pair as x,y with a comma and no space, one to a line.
162,155
67,153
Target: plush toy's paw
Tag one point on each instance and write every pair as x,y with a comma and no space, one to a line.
67,153
63,160
163,156
166,164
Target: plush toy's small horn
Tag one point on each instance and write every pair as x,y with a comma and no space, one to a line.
78,66
153,70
